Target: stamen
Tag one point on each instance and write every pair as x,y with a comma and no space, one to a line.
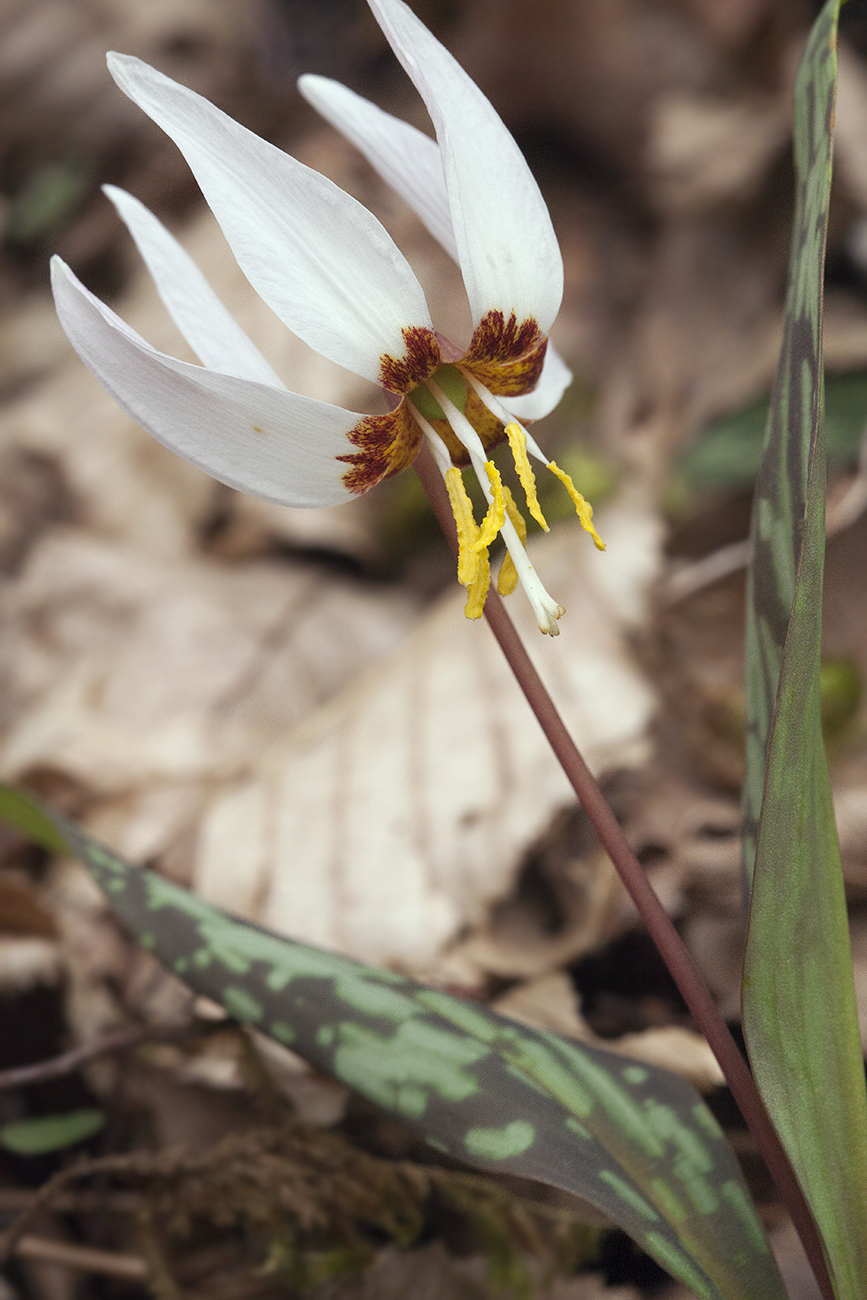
477,592
474,569
518,443
493,520
514,514
469,558
435,442
461,426
507,579
547,611
582,506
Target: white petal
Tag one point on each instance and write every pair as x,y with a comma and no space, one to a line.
319,259
553,382
262,440
508,250
404,157
211,331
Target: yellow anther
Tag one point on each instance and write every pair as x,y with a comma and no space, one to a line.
584,508
520,524
469,559
478,589
493,520
518,443
507,579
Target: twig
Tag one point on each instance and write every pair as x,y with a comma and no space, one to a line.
49,1191
15,1199
84,1259
121,1040
671,947
686,581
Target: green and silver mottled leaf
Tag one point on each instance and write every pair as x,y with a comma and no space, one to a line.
777,533
634,1140
799,1004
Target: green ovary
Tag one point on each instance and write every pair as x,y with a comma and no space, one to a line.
453,384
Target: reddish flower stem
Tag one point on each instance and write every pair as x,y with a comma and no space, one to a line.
671,947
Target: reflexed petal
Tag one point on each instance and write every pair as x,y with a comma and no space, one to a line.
508,250
319,259
404,157
211,331
555,379
265,441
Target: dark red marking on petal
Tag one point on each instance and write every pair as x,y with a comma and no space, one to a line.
421,359
387,444
506,356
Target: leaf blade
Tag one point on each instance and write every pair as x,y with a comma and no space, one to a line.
800,1017
777,531
634,1140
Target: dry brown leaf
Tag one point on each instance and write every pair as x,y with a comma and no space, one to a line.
596,69
673,1047
858,932
64,127
850,810
126,672
850,144
29,951
315,1098
579,907
96,962
27,961
118,481
705,152
52,60
398,814
716,942
551,1002
798,1278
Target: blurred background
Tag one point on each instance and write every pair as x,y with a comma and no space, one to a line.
286,710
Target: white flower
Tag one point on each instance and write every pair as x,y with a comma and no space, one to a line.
332,274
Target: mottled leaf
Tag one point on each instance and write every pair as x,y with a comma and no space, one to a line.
634,1140
799,1004
127,671
782,484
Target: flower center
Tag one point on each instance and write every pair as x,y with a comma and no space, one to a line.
446,407
452,381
